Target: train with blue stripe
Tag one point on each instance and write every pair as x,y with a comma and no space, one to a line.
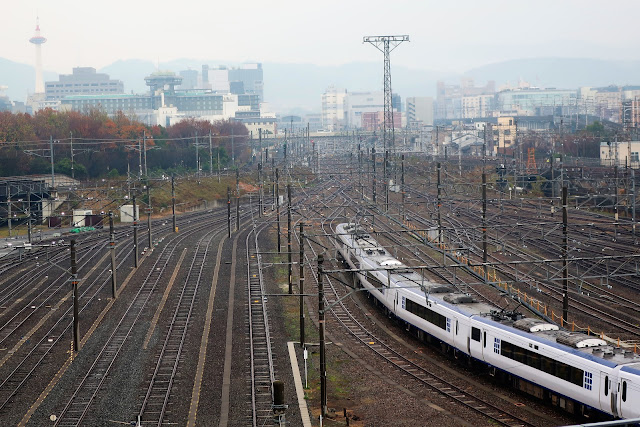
580,373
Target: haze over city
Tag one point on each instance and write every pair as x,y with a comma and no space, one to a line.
446,36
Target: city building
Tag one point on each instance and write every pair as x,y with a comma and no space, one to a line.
359,103
504,134
5,102
630,113
477,106
219,79
247,79
372,121
82,81
314,121
449,99
190,104
165,105
250,77
334,109
620,153
396,102
189,79
537,102
419,111
343,110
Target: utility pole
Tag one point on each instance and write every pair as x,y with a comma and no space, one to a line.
237,199
233,150
633,202
218,150
135,234
301,286
228,211
29,216
210,155
402,188
439,206
197,156
323,361
144,149
565,258
173,204
149,215
74,284
360,172
53,175
260,189
9,208
484,220
139,160
73,176
615,202
289,255
260,143
112,247
373,182
386,44
277,193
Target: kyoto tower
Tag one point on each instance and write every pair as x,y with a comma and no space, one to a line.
38,40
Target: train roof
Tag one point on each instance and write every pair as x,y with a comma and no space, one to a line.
577,343
549,334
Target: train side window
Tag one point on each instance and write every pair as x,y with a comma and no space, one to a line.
606,385
475,334
484,342
456,326
624,391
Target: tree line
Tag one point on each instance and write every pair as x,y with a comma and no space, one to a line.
106,145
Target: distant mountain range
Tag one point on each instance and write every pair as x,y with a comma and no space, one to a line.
296,88
20,78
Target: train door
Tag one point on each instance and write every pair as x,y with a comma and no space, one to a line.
395,302
626,408
459,337
475,342
609,393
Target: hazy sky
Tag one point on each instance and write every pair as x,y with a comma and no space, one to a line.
446,35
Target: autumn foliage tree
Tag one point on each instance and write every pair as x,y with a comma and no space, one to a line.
106,145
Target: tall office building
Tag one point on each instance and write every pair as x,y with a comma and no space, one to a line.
82,81
189,79
420,111
251,77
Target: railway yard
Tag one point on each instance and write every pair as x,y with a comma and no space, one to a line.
207,320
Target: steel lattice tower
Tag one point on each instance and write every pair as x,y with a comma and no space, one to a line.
386,44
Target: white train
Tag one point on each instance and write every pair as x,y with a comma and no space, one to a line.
575,371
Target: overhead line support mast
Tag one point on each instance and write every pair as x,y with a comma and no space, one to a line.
386,44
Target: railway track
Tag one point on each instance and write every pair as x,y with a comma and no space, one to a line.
154,405
52,338
77,406
261,356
